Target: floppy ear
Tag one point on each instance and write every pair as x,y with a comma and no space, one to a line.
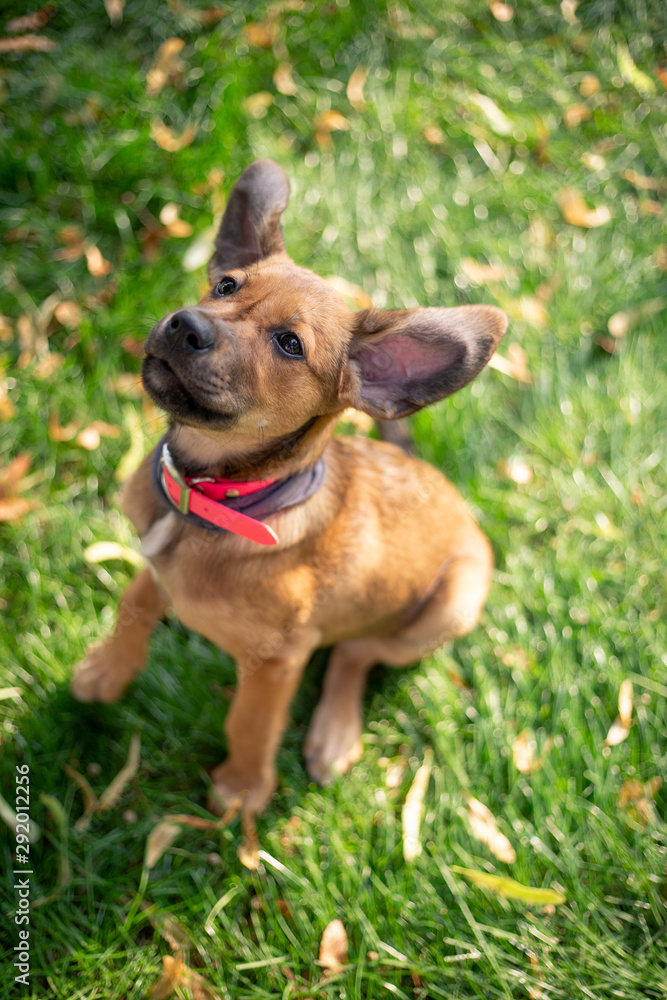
250,227
403,359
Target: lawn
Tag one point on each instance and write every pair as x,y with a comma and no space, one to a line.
439,153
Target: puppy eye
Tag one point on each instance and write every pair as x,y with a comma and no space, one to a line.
290,344
225,286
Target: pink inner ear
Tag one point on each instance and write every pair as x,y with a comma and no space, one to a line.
404,359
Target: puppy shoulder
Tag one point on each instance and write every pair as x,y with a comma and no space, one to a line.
138,500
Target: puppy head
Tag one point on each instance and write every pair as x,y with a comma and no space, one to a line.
272,346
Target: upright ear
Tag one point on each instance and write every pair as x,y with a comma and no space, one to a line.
403,359
250,227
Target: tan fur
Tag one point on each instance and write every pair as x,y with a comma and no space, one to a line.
384,562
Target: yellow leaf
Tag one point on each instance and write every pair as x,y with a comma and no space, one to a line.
100,552
353,293
355,88
113,792
625,703
96,263
484,826
575,114
166,64
577,213
167,139
258,104
640,81
411,814
160,838
496,118
589,85
333,946
509,889
516,470
481,274
617,733
515,364
248,852
501,11
173,969
523,753
330,121
284,80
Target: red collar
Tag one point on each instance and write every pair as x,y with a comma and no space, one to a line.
202,496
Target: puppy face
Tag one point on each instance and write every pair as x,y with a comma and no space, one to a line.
272,346
263,349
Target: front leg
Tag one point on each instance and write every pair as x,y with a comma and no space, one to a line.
254,727
107,669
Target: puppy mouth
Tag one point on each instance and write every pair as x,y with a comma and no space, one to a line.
169,392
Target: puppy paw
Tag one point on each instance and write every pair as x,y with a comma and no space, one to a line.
234,787
332,746
99,677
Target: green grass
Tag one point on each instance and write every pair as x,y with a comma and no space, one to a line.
577,604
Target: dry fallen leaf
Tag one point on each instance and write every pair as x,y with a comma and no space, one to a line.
100,552
257,105
114,9
593,161
167,66
170,219
360,421
59,433
515,364
261,33
27,43
413,808
516,470
333,946
159,839
620,728
32,22
96,263
167,139
643,183
620,324
632,74
523,753
509,889
355,88
501,11
481,274
636,800
577,213
354,294
625,703
484,826
434,135
13,506
8,816
496,118
568,10
172,975
68,314
90,800
90,437
284,80
48,364
575,114
248,852
589,85
326,123
113,792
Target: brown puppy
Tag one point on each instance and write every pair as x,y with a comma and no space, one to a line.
376,554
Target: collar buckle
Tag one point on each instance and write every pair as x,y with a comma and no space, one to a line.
167,462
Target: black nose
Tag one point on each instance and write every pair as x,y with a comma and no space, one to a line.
189,330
